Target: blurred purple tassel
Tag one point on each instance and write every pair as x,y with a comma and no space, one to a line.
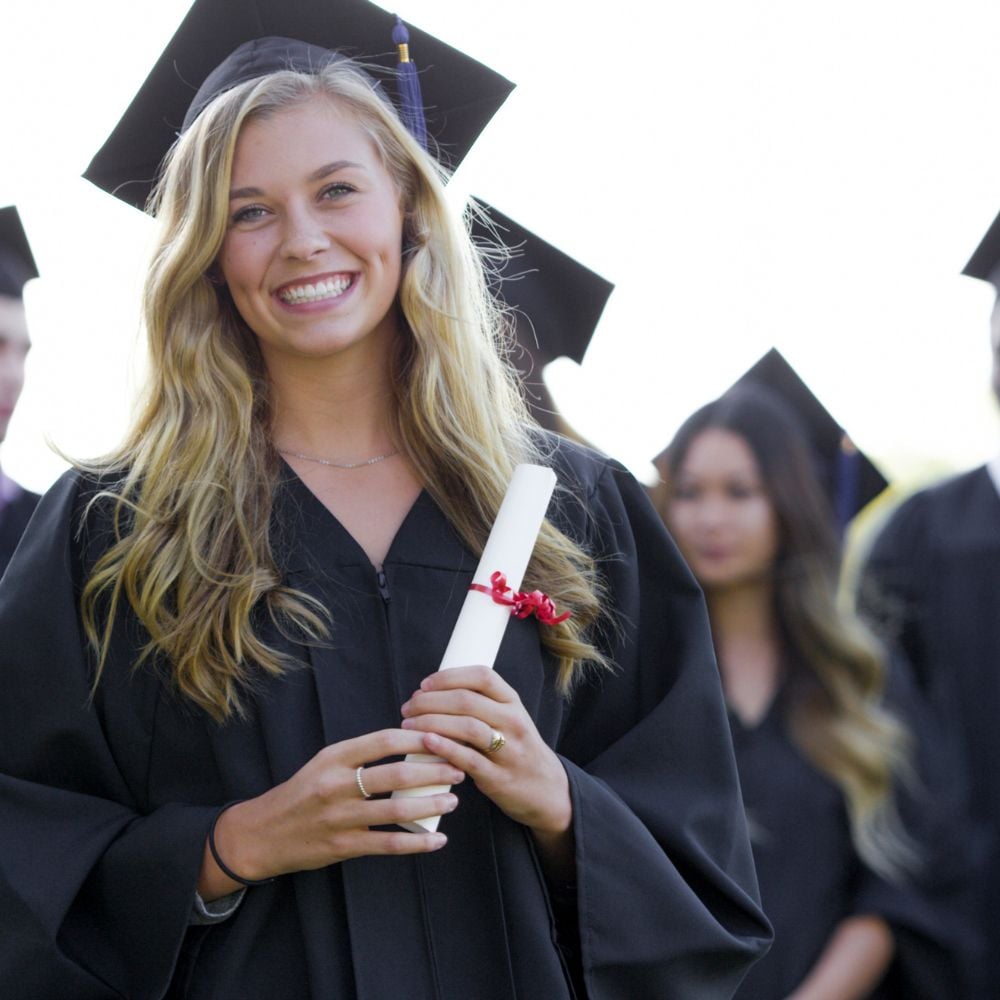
846,487
410,100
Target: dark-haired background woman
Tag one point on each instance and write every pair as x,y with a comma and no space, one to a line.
822,760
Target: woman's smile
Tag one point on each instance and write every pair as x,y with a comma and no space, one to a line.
321,289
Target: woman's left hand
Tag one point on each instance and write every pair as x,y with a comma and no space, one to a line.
462,711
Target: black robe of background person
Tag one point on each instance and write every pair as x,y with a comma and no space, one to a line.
104,810
932,583
811,876
13,520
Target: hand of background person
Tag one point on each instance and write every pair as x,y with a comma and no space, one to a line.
853,962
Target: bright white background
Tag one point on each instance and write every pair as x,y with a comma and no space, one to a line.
810,175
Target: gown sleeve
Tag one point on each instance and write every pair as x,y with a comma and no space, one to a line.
666,890
96,886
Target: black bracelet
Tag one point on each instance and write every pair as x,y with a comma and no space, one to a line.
223,867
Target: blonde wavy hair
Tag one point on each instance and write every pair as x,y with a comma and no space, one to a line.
195,477
836,669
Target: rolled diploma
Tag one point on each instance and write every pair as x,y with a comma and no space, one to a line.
481,623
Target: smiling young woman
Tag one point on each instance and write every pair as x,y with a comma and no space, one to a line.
245,604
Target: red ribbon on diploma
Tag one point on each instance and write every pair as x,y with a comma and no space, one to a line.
521,605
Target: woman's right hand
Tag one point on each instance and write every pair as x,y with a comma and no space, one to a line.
319,816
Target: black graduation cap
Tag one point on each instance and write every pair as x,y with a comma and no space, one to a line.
17,264
460,95
557,301
849,478
984,261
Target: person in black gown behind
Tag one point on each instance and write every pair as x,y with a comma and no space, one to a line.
17,267
932,584
221,640
820,755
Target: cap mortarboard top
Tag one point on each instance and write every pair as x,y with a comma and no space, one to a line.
17,264
849,478
559,299
460,95
985,260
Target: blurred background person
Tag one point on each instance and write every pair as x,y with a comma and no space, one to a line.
932,583
820,756
17,267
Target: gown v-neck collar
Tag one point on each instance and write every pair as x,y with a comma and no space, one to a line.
424,536
772,713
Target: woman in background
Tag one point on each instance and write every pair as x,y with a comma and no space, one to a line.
820,756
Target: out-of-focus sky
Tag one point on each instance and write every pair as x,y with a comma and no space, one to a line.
810,176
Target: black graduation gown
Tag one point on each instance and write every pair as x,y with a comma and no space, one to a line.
104,808
932,583
811,877
13,519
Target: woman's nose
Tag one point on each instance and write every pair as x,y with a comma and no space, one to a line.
304,236
712,512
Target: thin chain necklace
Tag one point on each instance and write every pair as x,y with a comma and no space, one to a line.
338,465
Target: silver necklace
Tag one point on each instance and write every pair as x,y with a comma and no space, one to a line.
338,465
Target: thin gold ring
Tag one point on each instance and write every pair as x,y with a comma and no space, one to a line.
361,784
497,742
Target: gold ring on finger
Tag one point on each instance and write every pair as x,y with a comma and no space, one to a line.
496,742
360,783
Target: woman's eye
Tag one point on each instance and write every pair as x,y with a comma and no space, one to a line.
251,213
337,190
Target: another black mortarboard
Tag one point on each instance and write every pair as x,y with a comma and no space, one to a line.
985,260
460,95
17,264
849,478
559,299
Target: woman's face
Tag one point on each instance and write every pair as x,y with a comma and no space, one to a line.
720,513
312,251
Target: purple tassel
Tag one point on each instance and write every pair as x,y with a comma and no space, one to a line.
410,101
846,486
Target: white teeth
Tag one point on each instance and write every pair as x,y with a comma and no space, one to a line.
328,289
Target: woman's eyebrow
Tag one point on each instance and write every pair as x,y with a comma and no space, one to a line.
316,175
332,168
247,192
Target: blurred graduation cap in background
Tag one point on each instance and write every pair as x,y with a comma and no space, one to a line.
17,263
555,301
849,478
985,260
459,94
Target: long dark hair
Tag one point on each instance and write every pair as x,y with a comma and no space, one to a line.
836,670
